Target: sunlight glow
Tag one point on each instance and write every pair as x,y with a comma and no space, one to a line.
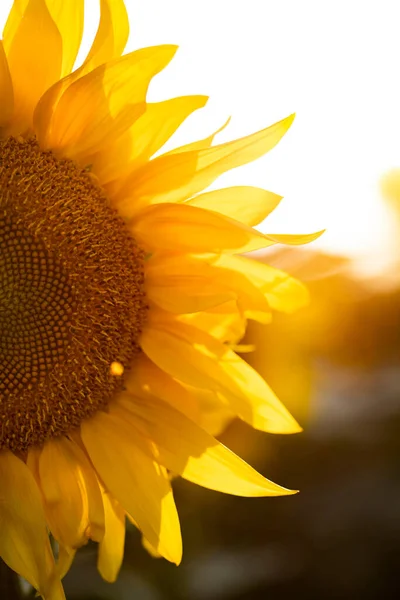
334,64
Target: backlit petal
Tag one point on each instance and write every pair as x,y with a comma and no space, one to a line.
249,205
111,548
183,284
143,139
71,494
111,36
147,379
198,359
177,177
68,16
6,89
184,448
180,285
225,322
199,144
64,560
34,55
215,413
100,106
149,548
184,228
283,292
135,480
24,543
108,44
13,21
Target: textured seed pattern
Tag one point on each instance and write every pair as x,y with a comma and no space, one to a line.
35,305
71,296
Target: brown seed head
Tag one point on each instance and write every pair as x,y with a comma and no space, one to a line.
71,296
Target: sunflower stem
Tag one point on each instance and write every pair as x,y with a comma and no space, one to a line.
10,588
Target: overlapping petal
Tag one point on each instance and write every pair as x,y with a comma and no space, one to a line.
111,547
184,284
143,139
225,322
183,228
283,292
201,406
34,51
138,483
198,359
184,448
71,494
202,144
247,204
111,37
175,177
6,89
100,106
24,543
68,16
147,379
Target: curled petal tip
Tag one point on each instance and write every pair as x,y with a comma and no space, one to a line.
289,120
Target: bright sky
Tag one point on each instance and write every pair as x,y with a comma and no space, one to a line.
335,63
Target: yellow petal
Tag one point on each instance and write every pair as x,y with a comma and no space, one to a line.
109,44
215,413
111,36
188,229
71,494
111,548
186,449
201,406
68,16
65,559
146,136
100,106
225,322
283,292
149,548
146,544
196,358
291,239
180,285
249,205
199,144
183,284
135,480
63,495
24,543
147,378
6,89
14,18
163,119
34,55
177,177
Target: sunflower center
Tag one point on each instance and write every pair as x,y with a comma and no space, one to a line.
71,296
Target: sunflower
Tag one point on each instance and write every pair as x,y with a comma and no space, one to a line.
124,293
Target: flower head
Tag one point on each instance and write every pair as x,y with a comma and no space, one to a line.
123,295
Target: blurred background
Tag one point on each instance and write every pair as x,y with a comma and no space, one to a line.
335,364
